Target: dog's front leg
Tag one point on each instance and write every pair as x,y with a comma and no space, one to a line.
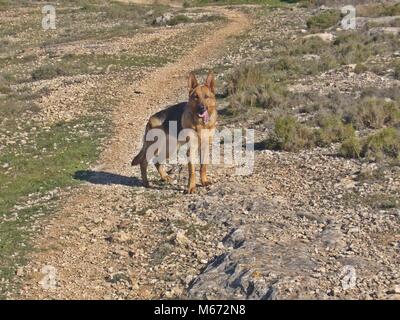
192,178
204,150
191,152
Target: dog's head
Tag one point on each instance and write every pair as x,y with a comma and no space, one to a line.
202,97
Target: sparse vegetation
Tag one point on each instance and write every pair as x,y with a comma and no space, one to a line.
382,144
373,113
383,201
251,86
181,18
324,20
71,64
396,68
289,135
350,148
189,3
332,129
378,10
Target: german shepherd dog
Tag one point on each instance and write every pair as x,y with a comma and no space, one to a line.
198,114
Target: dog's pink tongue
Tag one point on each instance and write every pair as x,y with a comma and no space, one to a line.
205,116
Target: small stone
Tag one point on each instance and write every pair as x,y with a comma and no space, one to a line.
20,272
122,236
180,238
395,289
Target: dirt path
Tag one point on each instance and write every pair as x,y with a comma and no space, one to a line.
76,241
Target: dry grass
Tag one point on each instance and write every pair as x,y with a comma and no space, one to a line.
378,10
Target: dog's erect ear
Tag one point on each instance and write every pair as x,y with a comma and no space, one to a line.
210,82
192,82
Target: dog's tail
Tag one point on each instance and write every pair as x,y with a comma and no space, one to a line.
142,153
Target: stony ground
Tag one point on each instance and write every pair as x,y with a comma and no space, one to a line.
302,225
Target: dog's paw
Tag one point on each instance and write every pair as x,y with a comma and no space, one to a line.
191,190
167,179
146,184
205,183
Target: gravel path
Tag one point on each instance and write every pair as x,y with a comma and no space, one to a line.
77,240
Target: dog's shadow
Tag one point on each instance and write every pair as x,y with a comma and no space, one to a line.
106,178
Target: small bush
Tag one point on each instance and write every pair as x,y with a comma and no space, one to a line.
350,148
333,130
374,113
179,19
383,201
4,86
46,72
311,45
290,135
360,68
324,20
396,68
211,18
384,143
251,86
378,10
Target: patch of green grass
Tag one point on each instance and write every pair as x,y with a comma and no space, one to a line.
17,103
48,161
15,234
324,20
85,64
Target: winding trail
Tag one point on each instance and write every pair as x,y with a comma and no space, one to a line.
79,256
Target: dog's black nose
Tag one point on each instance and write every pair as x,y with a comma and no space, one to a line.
201,108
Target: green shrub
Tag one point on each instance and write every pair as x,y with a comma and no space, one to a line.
47,72
384,143
290,135
333,130
179,19
396,67
360,68
324,20
251,86
310,45
350,148
383,201
374,113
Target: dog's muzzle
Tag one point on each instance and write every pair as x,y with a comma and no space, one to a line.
203,113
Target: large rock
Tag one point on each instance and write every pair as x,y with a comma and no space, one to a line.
252,268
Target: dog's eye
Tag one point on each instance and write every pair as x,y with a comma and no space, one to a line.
206,97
